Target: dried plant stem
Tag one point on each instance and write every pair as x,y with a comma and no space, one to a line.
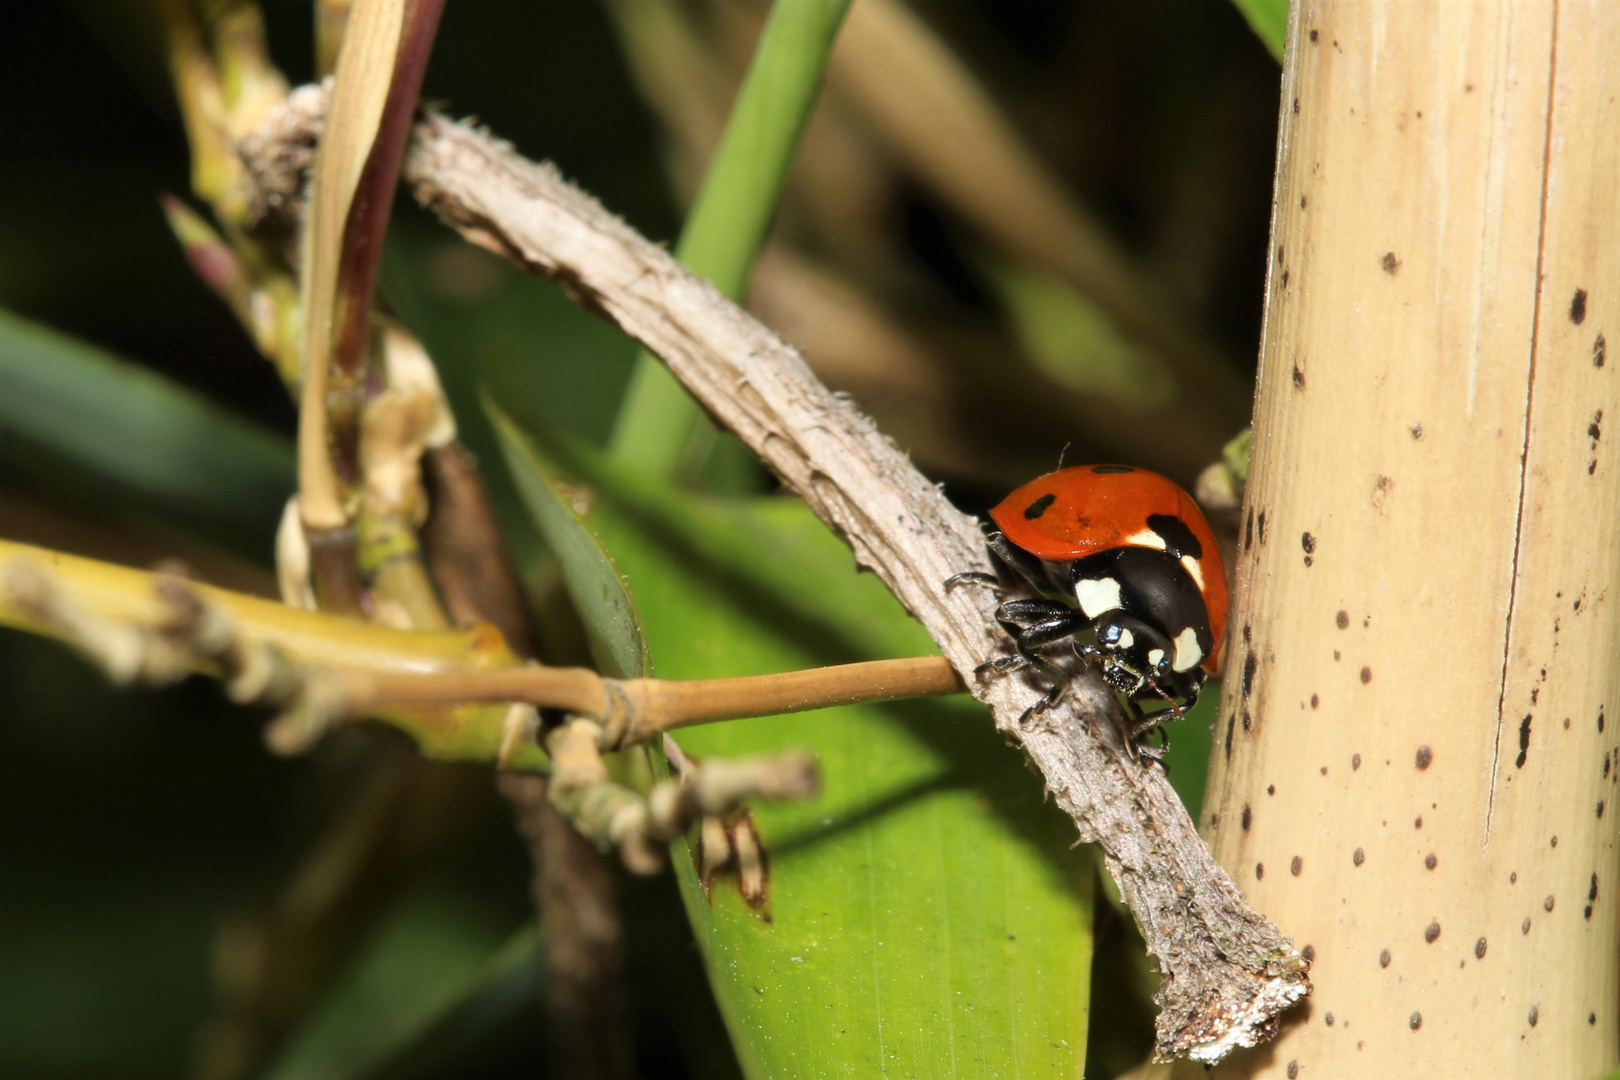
1228,972
633,710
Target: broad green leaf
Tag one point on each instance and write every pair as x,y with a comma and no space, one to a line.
136,430
928,916
595,585
1269,19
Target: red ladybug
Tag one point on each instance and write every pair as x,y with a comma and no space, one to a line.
1123,553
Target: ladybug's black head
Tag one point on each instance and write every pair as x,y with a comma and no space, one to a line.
1139,658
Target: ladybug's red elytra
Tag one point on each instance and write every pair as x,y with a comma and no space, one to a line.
1126,555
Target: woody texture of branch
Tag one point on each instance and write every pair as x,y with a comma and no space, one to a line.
1228,973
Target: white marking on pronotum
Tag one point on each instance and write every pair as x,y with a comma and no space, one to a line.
1155,656
1146,538
1096,596
1126,639
1190,564
1187,651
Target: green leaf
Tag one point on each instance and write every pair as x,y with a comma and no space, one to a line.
928,916
1269,19
599,593
732,215
66,402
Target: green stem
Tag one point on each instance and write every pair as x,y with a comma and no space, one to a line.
732,216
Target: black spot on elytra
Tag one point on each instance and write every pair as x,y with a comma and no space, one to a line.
1299,376
1247,819
1249,665
1109,470
1600,351
1424,758
1248,531
1524,741
1479,949
1577,307
1431,933
1039,507
1390,263
1358,858
1178,538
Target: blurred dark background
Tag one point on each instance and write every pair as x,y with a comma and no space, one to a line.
134,826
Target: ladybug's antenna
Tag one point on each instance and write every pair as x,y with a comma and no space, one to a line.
1063,451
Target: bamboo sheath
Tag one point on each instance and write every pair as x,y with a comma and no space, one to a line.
1413,760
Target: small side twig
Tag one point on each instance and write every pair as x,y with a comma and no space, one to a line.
1228,972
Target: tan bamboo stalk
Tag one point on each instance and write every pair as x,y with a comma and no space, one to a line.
1413,759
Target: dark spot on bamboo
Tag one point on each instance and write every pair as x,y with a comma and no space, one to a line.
1302,202
1431,932
1416,430
1577,304
1591,1018
1418,822
1230,723
1479,949
1358,858
1248,531
1425,757
1260,524
1414,1021
1513,878
1342,620
1524,927
1309,953
1328,1019
1315,701
1313,37
1547,904
1600,719
1535,1011
1600,808
1524,742
1308,542
1324,770
1300,380
1296,106
1296,865
1430,862
1246,633
1383,959
1248,817
1600,351
1390,263
1248,721
1555,841
1250,662
1271,789
1592,894
1355,762
1366,675
1293,1066
1336,654
1259,871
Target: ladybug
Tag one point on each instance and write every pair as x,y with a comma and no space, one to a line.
1123,556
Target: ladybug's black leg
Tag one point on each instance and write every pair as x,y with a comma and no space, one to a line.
1022,562
1032,624
975,577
